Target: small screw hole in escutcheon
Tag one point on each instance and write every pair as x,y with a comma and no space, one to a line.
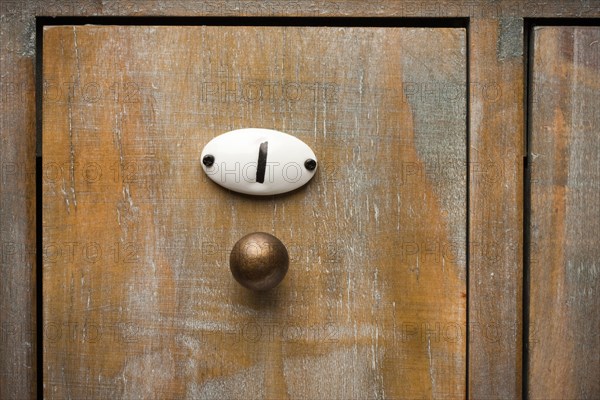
208,160
310,164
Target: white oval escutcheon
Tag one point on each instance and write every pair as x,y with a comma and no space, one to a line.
258,161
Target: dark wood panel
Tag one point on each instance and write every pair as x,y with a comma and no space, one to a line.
17,212
564,341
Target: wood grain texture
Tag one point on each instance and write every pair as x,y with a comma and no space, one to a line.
496,212
17,213
374,303
17,120
565,214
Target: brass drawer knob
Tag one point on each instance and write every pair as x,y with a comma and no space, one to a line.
259,261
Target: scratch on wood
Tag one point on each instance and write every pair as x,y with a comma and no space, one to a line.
431,370
71,155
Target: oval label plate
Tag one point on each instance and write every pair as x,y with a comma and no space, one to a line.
258,161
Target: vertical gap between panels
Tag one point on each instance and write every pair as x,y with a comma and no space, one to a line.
39,301
528,85
468,201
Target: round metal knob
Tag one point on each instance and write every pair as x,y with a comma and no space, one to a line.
259,261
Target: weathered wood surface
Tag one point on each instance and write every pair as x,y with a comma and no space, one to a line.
495,203
17,210
17,121
564,345
137,281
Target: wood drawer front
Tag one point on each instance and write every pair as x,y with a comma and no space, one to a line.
564,243
137,283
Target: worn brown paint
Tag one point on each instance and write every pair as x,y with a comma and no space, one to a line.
375,284
565,214
496,196
17,194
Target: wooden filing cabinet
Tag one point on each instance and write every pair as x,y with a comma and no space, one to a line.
446,247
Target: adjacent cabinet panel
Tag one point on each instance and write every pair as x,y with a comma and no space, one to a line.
564,256
138,298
